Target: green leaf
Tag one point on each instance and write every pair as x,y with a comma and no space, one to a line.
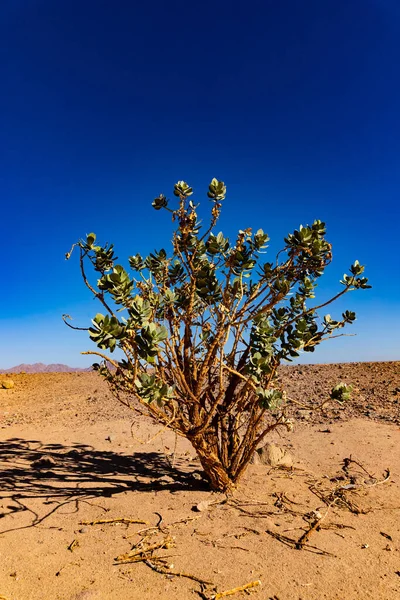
160,202
90,239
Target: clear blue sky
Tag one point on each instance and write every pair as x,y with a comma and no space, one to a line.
294,104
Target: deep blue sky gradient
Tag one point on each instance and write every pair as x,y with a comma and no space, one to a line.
294,104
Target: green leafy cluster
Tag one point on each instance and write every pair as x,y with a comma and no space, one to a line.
107,331
151,389
118,284
353,280
148,341
341,392
269,399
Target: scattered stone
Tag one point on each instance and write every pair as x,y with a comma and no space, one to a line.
202,506
84,530
110,438
272,455
6,383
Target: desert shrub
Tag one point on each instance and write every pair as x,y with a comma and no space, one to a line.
202,329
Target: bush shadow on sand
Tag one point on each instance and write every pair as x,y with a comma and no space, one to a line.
58,475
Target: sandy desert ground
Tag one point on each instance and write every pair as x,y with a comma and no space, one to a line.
70,454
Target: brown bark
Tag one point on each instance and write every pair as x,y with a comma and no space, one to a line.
213,468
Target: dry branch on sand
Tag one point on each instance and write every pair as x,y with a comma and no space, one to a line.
117,520
237,590
338,497
143,552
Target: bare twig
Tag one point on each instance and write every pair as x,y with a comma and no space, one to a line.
163,571
118,520
64,318
348,461
142,553
236,590
73,545
152,438
175,524
313,527
292,543
104,356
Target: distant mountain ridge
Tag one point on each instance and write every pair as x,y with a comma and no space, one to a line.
42,368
